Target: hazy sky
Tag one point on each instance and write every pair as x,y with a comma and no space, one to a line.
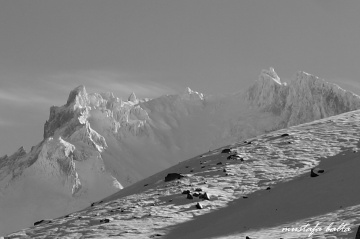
155,47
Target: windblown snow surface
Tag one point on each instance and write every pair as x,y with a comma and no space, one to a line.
263,193
97,144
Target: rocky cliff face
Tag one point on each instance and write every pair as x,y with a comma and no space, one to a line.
96,143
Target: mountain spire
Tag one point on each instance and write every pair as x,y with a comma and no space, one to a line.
269,75
132,97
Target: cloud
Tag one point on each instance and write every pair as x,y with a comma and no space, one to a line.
21,97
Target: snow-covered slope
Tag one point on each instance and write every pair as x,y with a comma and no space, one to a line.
96,144
259,189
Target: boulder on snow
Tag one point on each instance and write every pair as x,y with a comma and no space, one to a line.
226,151
186,192
173,176
189,196
96,203
284,135
235,157
199,206
42,222
315,172
204,196
38,222
105,220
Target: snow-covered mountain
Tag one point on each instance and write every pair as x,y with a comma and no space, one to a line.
96,144
305,98
299,182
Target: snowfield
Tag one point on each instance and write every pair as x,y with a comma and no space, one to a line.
263,191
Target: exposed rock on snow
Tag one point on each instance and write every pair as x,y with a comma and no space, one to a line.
316,172
173,176
199,206
313,174
42,222
186,192
226,151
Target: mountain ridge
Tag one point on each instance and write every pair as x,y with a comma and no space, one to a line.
267,180
97,143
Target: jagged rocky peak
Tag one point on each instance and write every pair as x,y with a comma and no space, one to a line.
108,95
78,97
190,94
21,151
132,97
73,113
269,75
267,91
18,154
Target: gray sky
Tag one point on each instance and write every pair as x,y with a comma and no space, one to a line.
155,47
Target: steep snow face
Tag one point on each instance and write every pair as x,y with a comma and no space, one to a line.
97,143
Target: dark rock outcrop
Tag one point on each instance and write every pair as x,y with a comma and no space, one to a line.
204,196
196,194
315,172
226,151
186,192
173,176
42,222
105,220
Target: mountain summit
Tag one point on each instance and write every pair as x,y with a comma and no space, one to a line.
97,144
